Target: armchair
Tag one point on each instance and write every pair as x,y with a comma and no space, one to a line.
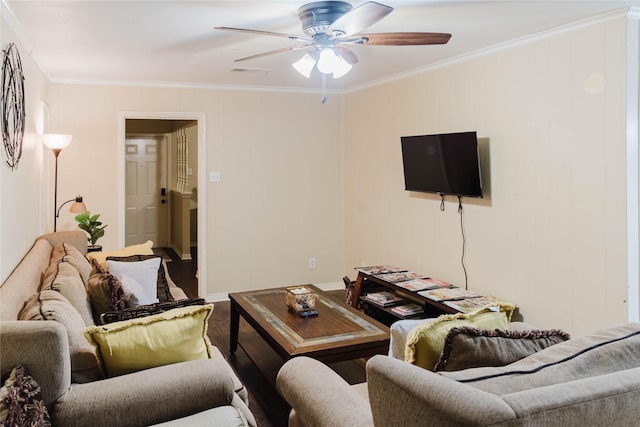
137,399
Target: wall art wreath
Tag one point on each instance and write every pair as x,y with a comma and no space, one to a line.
13,109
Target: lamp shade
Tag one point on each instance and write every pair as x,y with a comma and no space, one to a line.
331,62
341,68
327,61
78,206
56,141
305,65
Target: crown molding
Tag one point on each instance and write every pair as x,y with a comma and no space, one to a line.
577,25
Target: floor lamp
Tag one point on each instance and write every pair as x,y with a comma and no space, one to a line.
56,142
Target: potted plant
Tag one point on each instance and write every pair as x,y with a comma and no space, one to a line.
93,227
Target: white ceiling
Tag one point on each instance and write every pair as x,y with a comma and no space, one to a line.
173,42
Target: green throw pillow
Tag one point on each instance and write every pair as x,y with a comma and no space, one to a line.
177,335
426,341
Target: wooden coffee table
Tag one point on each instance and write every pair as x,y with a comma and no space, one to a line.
339,332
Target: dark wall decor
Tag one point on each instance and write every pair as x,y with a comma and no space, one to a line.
13,110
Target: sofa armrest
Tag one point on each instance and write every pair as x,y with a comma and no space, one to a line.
41,346
583,402
405,394
149,397
319,396
77,238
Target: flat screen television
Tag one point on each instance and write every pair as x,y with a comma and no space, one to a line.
446,163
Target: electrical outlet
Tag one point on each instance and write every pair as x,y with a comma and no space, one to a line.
312,263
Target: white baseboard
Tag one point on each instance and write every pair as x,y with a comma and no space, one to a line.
224,296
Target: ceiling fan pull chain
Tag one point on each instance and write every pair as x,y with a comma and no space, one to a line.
324,88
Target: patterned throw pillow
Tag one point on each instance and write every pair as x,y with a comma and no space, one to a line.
468,347
163,292
21,401
141,249
147,310
105,291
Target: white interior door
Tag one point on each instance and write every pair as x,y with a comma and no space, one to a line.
146,190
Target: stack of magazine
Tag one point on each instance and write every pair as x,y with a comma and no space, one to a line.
401,276
448,294
421,284
460,299
471,304
445,293
406,310
383,298
380,269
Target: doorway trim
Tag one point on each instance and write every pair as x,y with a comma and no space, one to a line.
202,182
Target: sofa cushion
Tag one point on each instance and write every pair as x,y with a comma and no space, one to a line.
21,401
51,305
147,310
63,277
105,292
174,336
220,416
603,352
141,249
66,252
139,279
163,292
467,347
426,341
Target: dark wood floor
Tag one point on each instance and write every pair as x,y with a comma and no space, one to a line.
256,364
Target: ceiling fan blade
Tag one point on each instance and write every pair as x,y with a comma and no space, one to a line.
265,33
347,55
405,39
273,52
359,18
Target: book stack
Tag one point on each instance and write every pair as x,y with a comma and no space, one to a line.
383,298
406,310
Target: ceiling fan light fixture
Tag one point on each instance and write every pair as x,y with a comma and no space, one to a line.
341,68
305,65
331,62
327,61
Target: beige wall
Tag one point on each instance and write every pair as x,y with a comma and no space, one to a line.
280,201
550,235
26,202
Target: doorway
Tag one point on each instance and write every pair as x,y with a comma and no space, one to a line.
159,176
146,164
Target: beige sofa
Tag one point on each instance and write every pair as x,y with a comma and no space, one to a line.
180,393
585,381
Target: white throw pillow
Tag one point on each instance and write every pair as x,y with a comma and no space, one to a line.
138,279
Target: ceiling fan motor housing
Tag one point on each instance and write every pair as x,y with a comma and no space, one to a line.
318,16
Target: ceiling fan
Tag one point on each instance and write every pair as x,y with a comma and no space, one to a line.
330,27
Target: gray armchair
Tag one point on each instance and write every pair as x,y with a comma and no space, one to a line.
138,399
